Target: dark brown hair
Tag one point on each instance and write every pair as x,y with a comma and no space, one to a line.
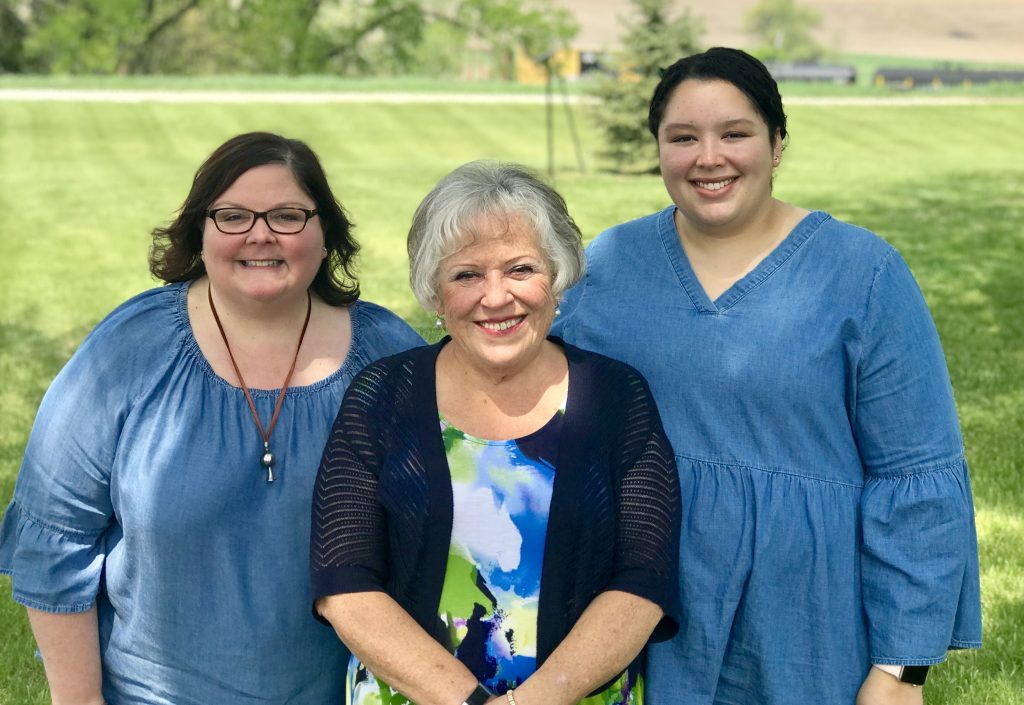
174,255
737,67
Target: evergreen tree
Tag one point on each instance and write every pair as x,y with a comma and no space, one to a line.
652,41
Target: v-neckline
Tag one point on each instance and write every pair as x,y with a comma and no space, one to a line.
742,286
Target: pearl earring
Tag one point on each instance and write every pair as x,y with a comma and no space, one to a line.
439,320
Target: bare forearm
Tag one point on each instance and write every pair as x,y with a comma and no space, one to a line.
396,649
608,636
70,645
881,688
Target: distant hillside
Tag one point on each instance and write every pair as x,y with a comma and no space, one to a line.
955,30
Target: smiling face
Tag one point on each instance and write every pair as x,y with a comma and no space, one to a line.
496,296
716,157
261,265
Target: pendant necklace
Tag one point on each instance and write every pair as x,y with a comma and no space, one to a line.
267,459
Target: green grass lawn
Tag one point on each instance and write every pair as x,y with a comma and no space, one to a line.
81,185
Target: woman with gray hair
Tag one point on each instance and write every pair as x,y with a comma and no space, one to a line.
496,516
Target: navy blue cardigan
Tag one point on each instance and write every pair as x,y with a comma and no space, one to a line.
382,505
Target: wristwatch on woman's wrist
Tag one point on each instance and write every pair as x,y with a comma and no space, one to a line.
479,696
913,675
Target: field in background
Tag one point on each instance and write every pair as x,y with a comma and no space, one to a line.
865,65
81,185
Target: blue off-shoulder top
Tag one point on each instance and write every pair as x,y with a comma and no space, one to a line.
141,492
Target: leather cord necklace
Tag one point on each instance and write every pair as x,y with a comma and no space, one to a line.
267,459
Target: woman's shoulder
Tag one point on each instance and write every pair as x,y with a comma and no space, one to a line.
399,367
606,372
846,241
123,354
380,332
148,321
625,235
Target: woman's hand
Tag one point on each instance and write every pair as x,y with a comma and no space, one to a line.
396,649
881,688
609,634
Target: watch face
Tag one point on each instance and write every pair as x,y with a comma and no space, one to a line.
915,675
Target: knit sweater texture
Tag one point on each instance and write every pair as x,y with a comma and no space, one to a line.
382,504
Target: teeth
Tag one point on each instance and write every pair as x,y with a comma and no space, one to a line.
261,262
714,185
504,325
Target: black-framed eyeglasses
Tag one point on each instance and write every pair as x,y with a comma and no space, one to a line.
283,221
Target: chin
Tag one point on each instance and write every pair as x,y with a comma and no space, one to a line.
267,293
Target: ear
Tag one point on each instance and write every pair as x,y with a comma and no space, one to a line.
777,148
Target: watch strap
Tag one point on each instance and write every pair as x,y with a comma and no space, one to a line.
479,696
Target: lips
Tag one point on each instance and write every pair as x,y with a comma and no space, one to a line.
501,326
261,262
716,185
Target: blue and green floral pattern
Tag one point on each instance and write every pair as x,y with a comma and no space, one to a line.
502,494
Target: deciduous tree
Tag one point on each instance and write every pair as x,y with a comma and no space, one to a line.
784,30
347,37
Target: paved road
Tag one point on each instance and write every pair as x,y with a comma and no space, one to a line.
214,96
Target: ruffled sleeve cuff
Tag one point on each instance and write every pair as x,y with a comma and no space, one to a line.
52,569
919,564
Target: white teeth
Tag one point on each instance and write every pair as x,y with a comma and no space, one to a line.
714,185
261,262
504,325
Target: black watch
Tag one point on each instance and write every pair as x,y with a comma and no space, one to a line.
479,696
915,675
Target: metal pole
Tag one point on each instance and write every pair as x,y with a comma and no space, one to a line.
549,111
572,126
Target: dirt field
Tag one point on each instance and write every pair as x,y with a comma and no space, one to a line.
953,30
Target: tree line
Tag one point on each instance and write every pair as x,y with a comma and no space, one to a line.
339,37
345,37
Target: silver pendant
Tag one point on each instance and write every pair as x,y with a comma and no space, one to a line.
267,461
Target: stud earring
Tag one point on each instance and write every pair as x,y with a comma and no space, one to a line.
439,320
325,251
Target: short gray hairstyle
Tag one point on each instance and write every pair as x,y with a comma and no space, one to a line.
445,219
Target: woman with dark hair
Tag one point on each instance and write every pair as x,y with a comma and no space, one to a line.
828,550
496,516
160,523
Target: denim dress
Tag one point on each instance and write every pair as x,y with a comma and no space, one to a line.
828,522
141,491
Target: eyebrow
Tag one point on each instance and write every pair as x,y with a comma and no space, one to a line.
725,123
458,264
283,204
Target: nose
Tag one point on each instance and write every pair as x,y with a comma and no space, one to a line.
496,293
709,154
260,231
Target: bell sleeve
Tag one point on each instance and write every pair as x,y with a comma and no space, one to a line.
53,536
919,553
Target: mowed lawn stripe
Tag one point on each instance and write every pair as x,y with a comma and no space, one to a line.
82,184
